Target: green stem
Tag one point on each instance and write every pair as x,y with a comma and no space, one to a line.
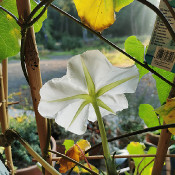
111,169
47,166
102,131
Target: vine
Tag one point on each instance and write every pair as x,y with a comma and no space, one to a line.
31,20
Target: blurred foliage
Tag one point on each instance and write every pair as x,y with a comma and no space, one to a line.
69,43
135,19
26,127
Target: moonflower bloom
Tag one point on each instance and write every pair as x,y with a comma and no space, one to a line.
90,76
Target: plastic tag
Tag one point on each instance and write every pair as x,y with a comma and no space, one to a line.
161,50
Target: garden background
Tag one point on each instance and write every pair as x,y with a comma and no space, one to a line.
60,38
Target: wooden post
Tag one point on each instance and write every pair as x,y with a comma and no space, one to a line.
4,123
163,145
162,148
34,75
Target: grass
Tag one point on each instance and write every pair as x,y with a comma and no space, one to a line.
118,59
115,57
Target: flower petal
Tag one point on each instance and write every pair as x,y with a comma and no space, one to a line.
75,72
52,92
116,102
92,116
49,109
59,88
97,64
118,74
64,118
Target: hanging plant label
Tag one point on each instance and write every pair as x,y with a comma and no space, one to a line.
161,50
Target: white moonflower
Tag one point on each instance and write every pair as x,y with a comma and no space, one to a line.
90,77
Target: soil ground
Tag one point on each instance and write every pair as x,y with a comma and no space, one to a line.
56,67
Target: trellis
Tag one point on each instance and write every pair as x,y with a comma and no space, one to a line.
35,82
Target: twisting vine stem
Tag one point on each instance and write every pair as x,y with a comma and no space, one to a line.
133,133
35,10
113,45
47,3
24,27
22,53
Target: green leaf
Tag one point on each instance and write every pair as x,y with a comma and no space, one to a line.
167,111
38,24
140,163
163,88
10,35
9,32
68,144
147,160
135,48
119,4
10,5
147,113
136,148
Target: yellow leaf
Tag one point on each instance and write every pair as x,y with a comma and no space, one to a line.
2,150
167,111
65,164
76,169
97,14
75,152
84,145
